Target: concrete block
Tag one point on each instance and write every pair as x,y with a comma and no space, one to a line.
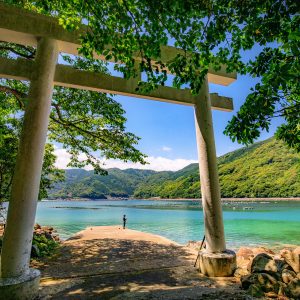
217,264
24,287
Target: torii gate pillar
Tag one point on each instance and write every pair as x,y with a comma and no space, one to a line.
216,261
17,280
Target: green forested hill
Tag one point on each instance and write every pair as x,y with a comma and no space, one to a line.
265,169
86,184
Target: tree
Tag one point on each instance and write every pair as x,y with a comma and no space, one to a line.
10,128
211,33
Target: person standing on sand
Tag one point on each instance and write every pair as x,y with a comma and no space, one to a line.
124,221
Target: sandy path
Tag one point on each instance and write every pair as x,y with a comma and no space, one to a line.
118,233
106,262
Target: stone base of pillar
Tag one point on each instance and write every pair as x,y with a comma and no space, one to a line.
217,264
25,287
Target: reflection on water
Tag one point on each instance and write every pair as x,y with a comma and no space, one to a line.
267,223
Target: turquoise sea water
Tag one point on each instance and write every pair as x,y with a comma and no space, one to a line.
271,223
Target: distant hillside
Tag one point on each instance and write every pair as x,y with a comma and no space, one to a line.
264,169
86,184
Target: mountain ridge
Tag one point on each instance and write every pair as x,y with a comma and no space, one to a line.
264,169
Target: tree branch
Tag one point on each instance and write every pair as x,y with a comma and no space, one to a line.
18,95
15,51
66,123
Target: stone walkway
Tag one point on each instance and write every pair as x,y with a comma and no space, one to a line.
111,263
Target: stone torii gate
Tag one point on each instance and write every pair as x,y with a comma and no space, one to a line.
17,280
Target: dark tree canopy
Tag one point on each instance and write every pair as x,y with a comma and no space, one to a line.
10,128
211,33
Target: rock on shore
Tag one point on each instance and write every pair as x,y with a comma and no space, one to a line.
265,274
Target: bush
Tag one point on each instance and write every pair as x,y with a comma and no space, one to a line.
41,246
44,241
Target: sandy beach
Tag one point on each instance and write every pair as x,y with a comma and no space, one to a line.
118,233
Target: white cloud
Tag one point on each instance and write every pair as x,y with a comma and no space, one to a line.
166,149
62,158
154,163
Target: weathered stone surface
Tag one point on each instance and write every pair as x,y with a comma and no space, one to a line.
260,250
293,289
266,282
245,253
263,263
249,265
20,288
244,256
288,275
239,272
292,258
282,289
25,186
210,191
271,295
255,291
242,262
282,265
247,280
217,264
56,237
274,275
37,226
47,231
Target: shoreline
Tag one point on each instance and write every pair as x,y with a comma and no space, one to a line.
229,199
107,231
116,231
271,199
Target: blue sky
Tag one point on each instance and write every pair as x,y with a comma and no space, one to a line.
172,126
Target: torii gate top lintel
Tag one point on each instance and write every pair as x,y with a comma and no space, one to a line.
31,25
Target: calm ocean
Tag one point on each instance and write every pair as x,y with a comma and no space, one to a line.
270,223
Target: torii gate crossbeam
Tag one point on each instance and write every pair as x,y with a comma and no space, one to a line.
23,27
66,76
